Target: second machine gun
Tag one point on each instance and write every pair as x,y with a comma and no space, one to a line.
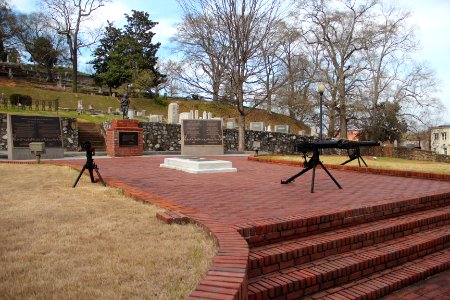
306,146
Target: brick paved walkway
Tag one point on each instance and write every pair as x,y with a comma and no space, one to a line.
254,193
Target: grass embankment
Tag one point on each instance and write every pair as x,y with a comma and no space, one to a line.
90,242
70,100
378,163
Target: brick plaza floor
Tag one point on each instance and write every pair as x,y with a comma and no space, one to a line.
255,192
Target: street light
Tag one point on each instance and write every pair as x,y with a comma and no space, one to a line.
320,90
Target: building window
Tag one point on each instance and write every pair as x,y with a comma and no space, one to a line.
444,136
436,136
445,151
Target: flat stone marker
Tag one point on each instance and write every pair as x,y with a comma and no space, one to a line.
198,165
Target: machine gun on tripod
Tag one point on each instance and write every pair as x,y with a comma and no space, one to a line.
90,165
306,146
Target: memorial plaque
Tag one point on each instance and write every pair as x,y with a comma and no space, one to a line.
28,129
128,138
202,132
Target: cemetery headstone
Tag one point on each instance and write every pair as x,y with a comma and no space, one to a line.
184,116
23,130
172,114
231,123
155,118
257,126
282,128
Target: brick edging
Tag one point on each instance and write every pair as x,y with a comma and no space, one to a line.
398,173
227,276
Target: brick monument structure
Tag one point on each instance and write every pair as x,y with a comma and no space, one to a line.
124,138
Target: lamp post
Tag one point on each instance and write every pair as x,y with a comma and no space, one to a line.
320,90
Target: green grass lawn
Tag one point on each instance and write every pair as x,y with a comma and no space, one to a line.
379,163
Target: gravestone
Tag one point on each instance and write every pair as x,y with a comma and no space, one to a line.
172,114
282,128
257,126
210,115
231,123
184,116
23,130
155,118
201,137
110,110
196,114
130,114
205,115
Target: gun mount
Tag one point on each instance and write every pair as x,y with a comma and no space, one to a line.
306,146
90,165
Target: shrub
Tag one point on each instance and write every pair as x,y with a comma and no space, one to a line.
25,100
161,101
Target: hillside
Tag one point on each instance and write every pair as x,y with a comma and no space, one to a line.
69,100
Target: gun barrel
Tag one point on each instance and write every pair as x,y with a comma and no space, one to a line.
339,144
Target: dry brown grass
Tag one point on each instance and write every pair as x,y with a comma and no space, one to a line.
90,242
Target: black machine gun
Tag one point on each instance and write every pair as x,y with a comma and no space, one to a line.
90,165
306,146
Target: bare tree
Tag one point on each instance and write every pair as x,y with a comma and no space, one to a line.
203,57
67,18
242,28
339,27
392,74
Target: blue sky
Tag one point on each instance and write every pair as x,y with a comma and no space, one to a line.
430,17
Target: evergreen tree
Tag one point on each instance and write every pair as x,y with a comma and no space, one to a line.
124,55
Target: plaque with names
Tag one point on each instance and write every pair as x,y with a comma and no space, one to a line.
128,138
202,132
28,129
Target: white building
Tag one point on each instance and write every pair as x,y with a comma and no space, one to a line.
440,139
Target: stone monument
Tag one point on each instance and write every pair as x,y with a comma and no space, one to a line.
172,114
23,130
201,137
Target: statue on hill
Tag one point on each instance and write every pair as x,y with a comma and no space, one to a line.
125,103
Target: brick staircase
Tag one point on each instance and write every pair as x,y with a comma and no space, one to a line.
90,132
364,253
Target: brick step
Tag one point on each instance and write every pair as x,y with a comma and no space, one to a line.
269,258
273,230
342,268
390,280
89,132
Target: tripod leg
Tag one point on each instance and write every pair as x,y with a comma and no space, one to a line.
347,161
99,176
363,161
313,178
79,176
331,176
359,162
296,175
91,173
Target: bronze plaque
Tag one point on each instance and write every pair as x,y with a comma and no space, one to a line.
202,132
28,129
128,138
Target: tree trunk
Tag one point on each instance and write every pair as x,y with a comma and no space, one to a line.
342,109
241,138
75,72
